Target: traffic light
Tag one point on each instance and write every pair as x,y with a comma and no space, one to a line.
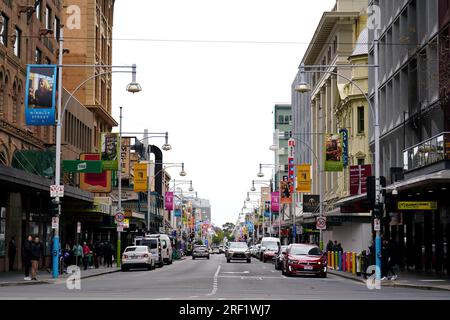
54,208
371,189
378,211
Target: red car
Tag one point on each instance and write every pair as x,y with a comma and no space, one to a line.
304,259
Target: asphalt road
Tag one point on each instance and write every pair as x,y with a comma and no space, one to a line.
215,279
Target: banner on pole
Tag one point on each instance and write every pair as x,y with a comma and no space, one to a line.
286,190
333,153
304,178
168,199
109,146
140,177
275,202
40,95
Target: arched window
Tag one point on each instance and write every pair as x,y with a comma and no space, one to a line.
14,102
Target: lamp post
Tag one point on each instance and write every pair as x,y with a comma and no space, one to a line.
303,87
133,87
268,183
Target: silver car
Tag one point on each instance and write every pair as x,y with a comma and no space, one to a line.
137,257
238,251
200,251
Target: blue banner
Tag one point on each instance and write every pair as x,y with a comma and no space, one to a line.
40,95
344,133
177,213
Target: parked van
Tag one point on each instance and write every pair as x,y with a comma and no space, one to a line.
161,247
269,248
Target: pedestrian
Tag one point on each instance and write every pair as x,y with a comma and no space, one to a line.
86,253
26,256
67,256
330,246
12,251
339,248
101,254
96,254
91,254
36,255
107,252
78,254
335,246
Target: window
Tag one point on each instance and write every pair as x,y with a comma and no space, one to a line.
48,18
361,162
18,36
361,119
280,119
56,28
286,119
38,11
4,20
38,56
2,231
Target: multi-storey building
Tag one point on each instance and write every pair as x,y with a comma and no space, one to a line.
414,119
334,104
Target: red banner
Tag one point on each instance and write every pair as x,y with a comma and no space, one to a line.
358,179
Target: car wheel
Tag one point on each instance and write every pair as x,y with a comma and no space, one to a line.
193,258
149,267
323,275
208,257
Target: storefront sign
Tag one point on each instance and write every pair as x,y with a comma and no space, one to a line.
95,182
358,179
40,95
333,150
77,166
125,157
304,178
109,146
311,203
416,205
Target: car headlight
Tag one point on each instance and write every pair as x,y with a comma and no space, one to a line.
291,261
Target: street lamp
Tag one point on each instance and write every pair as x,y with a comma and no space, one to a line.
134,87
167,146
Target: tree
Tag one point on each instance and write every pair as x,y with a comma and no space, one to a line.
228,227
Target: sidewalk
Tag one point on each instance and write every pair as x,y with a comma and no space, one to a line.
405,280
44,277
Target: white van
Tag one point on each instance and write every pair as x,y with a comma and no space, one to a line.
160,247
269,248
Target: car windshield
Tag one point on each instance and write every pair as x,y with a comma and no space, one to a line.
305,251
238,245
271,245
136,249
152,243
200,247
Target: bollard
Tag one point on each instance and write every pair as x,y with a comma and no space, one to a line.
332,260
344,261
340,260
354,263
336,260
349,257
328,259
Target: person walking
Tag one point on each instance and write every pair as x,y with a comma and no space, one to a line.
78,254
107,251
36,254
26,256
12,251
339,248
86,253
330,246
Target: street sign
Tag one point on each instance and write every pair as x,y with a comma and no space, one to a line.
126,223
119,228
120,217
377,225
79,227
55,222
56,191
321,223
77,166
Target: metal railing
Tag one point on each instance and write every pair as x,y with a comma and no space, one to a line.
427,152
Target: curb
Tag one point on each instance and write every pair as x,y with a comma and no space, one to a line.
392,284
53,281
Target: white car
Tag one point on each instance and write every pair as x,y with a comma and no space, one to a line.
135,257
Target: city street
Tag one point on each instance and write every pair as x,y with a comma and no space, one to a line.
215,279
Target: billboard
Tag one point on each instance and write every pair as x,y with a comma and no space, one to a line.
304,178
95,182
168,200
311,203
286,191
109,148
40,95
275,201
333,153
140,177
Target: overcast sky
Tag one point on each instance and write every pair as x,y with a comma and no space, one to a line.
215,99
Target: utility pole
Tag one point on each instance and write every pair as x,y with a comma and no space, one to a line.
119,177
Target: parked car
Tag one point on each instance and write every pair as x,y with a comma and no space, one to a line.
160,245
256,253
304,259
238,251
137,257
279,257
269,248
200,251
222,249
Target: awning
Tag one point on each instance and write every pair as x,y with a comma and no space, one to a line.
432,178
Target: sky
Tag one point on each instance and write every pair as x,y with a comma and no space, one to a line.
216,98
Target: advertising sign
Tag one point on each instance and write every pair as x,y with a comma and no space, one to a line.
304,178
286,193
267,209
311,203
126,157
358,179
344,134
275,201
333,153
168,199
417,205
40,95
109,146
77,166
140,177
95,182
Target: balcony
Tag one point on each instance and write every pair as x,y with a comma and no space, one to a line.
428,152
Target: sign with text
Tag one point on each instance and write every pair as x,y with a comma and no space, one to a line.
140,177
333,153
109,146
358,179
321,223
40,95
344,134
168,200
417,205
95,182
126,157
56,191
311,203
275,202
77,166
304,178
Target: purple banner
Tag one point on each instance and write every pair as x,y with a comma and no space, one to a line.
169,201
275,202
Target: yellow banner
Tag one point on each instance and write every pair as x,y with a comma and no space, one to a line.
304,178
140,177
416,205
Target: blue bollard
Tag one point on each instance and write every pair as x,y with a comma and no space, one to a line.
55,256
340,261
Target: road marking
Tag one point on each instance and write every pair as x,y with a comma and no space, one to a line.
215,282
245,272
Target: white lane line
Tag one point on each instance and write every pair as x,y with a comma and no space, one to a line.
215,282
